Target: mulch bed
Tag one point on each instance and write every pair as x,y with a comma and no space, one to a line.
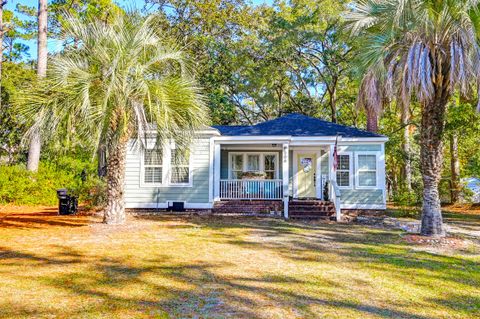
445,242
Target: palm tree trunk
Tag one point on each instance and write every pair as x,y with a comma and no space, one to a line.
102,161
114,213
35,142
455,168
431,161
372,119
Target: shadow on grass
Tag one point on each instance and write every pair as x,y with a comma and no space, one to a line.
161,285
43,218
179,290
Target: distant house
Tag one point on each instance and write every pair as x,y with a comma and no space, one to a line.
284,165
473,185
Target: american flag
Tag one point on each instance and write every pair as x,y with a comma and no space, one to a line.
335,155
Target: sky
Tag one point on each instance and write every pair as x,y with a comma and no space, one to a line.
54,45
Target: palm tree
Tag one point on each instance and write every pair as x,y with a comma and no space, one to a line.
425,50
122,81
42,54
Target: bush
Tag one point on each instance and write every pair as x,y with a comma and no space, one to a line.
404,197
18,186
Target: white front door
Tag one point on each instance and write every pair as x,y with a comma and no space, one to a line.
306,168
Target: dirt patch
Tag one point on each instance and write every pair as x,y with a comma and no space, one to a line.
445,242
471,209
449,246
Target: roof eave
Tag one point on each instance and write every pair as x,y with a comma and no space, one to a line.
288,138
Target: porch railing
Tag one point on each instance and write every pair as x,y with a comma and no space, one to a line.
251,189
335,194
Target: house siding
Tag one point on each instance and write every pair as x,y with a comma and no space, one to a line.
142,196
138,196
360,198
360,148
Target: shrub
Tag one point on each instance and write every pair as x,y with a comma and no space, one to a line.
21,187
404,197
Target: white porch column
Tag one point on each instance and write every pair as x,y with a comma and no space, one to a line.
216,172
332,176
333,189
286,178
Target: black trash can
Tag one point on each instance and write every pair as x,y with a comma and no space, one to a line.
67,204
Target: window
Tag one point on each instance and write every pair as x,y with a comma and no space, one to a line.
344,167
253,162
367,170
163,167
180,166
153,166
237,166
270,166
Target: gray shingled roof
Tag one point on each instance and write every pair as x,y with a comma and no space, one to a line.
294,125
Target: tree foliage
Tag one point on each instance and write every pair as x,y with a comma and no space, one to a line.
259,61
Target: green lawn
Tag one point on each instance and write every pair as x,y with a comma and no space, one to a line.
170,267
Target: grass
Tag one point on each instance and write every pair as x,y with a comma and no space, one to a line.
198,267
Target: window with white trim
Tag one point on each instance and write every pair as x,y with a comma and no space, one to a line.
240,163
253,162
180,166
270,166
153,166
344,170
367,170
236,169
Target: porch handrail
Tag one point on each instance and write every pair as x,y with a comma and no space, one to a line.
335,196
254,189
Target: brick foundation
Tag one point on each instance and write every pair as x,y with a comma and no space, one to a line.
248,206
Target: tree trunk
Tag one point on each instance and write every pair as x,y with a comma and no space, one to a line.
102,161
42,38
372,120
34,152
35,142
431,160
2,3
114,213
406,150
455,168
333,103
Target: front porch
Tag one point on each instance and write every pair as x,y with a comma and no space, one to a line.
249,172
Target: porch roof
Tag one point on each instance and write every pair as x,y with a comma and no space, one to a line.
294,125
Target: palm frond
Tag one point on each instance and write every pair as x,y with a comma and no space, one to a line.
121,80
419,43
